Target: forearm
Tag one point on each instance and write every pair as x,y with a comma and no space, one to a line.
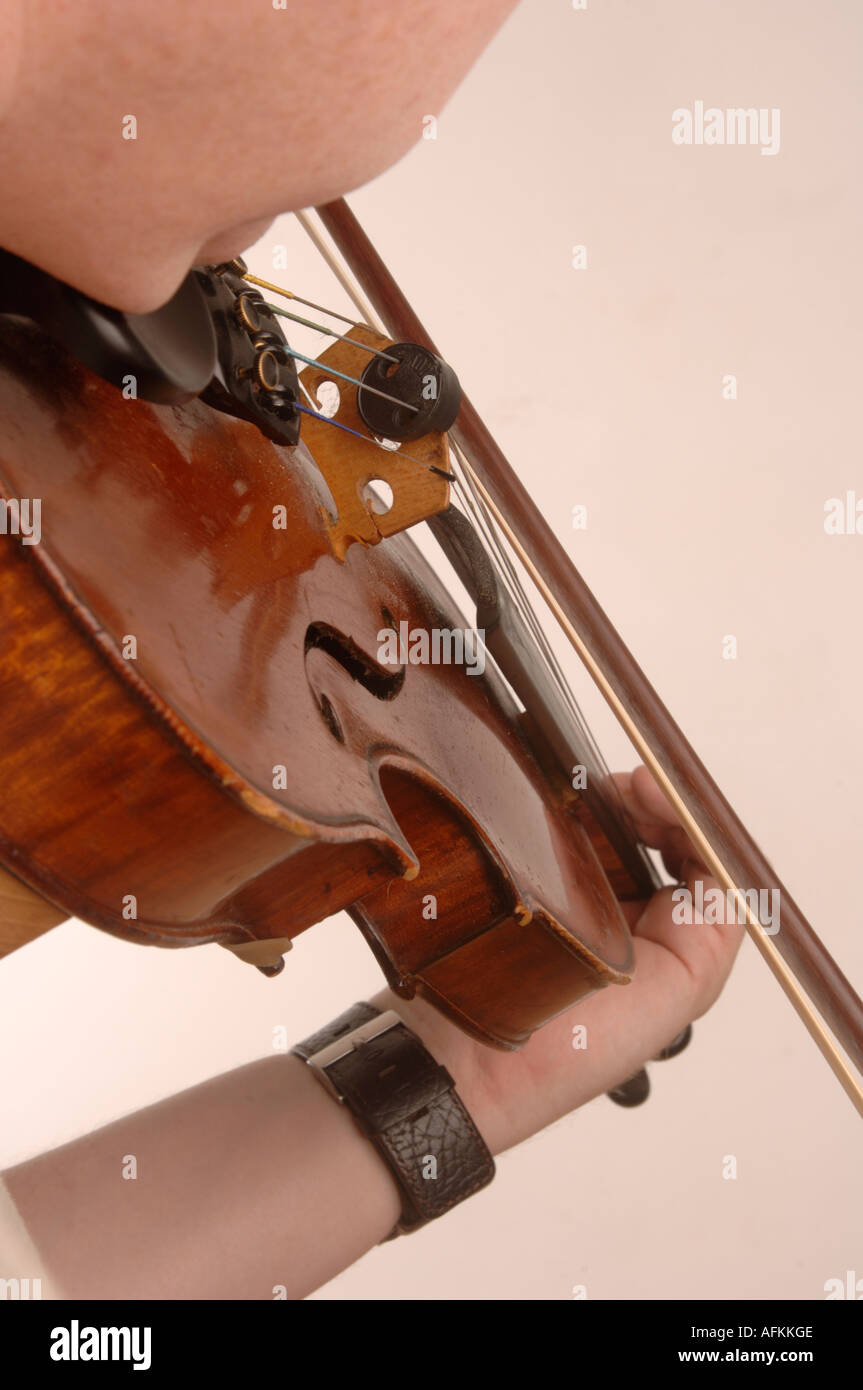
259,1179
254,1180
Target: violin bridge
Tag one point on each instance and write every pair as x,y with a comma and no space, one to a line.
351,466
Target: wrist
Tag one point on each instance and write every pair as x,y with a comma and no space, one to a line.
464,1059
374,1061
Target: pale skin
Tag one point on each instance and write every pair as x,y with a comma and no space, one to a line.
242,112
258,1179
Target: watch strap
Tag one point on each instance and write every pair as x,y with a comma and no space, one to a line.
406,1104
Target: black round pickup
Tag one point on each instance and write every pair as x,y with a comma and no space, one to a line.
427,388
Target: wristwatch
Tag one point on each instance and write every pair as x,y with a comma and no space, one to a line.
406,1105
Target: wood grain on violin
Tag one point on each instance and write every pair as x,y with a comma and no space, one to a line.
24,915
202,746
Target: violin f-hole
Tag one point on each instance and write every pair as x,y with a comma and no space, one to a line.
384,684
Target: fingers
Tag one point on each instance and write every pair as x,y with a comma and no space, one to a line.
655,821
654,802
703,950
674,919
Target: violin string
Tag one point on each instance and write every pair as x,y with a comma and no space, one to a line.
513,584
515,587
331,333
368,438
354,381
476,506
340,271
482,519
587,751
313,362
583,746
508,577
352,289
289,294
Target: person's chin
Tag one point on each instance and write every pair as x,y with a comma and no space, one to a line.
226,245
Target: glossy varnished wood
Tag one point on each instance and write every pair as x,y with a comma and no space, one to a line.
24,915
195,720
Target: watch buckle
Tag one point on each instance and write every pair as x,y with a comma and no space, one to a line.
349,1042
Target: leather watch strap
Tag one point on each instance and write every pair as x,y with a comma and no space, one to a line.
407,1105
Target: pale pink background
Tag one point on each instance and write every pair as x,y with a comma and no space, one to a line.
705,520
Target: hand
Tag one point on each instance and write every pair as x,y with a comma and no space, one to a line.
680,971
281,1138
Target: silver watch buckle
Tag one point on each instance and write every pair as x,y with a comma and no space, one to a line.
350,1042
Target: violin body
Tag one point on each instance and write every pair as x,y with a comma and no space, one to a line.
202,744
216,726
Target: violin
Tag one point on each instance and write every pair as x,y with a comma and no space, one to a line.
237,697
